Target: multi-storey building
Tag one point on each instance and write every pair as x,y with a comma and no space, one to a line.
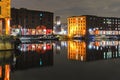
57,20
5,16
77,26
31,19
93,25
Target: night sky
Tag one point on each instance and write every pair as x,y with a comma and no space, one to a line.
66,8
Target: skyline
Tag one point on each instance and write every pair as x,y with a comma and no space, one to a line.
66,8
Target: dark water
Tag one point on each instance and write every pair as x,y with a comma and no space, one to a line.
60,60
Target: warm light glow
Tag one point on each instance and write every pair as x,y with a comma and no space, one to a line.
1,27
77,26
7,72
5,8
77,50
7,20
33,32
0,71
5,14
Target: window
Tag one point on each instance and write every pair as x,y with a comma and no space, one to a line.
41,14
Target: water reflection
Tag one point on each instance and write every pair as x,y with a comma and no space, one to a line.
33,55
77,50
39,47
5,63
60,47
96,50
26,56
36,55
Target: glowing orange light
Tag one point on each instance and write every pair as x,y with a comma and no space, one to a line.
96,32
7,72
7,25
0,71
97,43
76,26
76,50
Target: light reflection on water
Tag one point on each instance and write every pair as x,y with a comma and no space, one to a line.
89,51
35,55
76,49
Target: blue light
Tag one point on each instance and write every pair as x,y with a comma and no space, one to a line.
41,62
90,30
41,14
90,47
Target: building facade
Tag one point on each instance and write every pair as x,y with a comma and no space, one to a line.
93,25
57,20
31,19
5,15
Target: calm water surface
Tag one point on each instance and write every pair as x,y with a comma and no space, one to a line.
62,60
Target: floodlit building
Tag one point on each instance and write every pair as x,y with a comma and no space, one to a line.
5,16
92,25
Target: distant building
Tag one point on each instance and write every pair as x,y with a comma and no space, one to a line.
93,25
31,18
57,20
59,27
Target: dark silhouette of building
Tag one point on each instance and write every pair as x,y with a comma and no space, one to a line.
31,18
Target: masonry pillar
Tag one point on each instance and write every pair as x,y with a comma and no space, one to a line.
7,26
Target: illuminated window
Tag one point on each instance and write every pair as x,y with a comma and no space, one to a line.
41,14
81,18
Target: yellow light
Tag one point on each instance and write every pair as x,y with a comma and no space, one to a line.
77,50
77,26
7,20
0,71
5,14
5,8
7,72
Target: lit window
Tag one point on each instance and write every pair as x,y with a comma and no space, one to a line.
81,18
41,14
